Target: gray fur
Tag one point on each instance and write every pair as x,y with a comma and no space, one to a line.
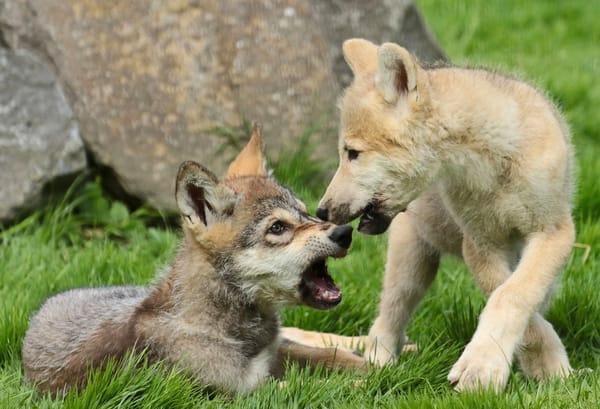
214,312
70,321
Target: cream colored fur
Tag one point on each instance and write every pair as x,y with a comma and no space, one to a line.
482,163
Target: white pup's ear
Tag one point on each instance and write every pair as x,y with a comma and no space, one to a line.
200,197
251,160
361,55
396,72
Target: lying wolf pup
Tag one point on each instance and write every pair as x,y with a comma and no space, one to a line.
249,248
482,164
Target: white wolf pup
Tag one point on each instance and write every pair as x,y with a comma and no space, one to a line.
249,248
466,162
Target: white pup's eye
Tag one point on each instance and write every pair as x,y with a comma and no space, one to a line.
277,228
352,154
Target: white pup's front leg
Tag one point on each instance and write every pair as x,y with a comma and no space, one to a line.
486,361
410,268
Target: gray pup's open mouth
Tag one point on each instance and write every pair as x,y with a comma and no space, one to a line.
317,288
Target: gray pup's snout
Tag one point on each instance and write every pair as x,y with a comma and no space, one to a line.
342,235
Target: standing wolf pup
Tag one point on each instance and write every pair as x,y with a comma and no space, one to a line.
249,248
466,162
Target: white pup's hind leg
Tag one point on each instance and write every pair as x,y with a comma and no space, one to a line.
542,353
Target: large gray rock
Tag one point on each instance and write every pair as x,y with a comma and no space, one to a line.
378,21
153,83
39,140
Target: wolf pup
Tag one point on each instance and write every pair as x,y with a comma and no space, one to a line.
249,247
466,162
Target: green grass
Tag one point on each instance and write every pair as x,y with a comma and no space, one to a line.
88,241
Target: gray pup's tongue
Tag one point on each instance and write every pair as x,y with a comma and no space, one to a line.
324,289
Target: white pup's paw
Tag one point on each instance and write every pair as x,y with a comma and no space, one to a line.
379,352
480,366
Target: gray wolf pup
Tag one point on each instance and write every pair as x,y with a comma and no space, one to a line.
465,162
249,247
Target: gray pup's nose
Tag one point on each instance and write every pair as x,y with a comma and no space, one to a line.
322,213
342,235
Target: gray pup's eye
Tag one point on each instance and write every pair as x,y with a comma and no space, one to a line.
277,228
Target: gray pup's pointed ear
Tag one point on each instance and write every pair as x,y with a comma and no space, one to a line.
251,160
397,72
200,197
